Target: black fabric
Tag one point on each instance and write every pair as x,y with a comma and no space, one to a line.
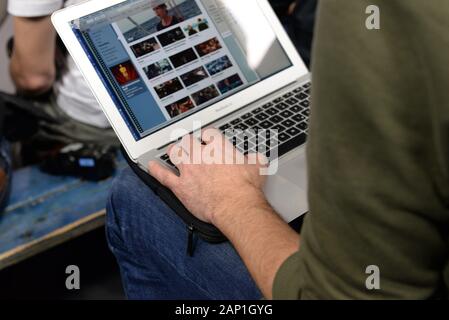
299,25
20,117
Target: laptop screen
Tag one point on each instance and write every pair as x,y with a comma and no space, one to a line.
162,60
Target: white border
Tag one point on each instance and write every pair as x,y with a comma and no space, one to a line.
135,149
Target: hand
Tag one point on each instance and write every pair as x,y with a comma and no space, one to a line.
221,186
215,178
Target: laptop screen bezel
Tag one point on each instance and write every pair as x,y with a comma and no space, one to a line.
62,19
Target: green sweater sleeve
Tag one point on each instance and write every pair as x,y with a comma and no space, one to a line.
378,155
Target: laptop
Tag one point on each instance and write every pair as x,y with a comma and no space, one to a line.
161,69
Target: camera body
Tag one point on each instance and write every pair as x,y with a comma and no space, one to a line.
87,161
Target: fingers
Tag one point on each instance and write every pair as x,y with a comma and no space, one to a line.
162,174
217,150
187,151
211,135
258,158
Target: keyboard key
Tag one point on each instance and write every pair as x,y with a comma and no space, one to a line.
278,128
235,141
287,95
299,118
293,132
165,157
286,114
249,134
302,96
236,121
296,109
269,144
247,116
225,127
303,125
266,124
230,132
262,117
251,122
261,146
292,101
307,85
241,126
282,106
288,123
270,134
292,144
298,90
243,135
306,112
267,105
272,111
276,101
305,104
246,145
253,150
258,110
283,137
276,119
307,92
258,140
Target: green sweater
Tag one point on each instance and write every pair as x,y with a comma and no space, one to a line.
378,155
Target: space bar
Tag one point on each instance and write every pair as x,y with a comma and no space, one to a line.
292,144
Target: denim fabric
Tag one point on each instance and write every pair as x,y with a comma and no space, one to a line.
150,243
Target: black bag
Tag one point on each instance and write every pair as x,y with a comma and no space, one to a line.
206,231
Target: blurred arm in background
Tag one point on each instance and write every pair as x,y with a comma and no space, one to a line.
33,57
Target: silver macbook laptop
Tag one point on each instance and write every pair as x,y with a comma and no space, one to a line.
164,68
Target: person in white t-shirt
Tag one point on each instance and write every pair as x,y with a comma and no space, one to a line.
2,12
71,113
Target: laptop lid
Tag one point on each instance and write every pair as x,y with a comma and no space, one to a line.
160,65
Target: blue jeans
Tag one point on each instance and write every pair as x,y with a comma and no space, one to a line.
149,242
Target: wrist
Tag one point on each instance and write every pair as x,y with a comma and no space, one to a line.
237,206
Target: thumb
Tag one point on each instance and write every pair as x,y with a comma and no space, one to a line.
162,174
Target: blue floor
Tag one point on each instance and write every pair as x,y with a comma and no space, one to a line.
41,204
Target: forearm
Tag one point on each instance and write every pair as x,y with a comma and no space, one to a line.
32,62
262,239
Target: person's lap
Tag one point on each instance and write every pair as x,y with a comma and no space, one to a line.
150,243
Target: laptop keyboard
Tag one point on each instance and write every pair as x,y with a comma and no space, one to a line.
288,115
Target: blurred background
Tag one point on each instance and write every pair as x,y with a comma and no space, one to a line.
6,31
